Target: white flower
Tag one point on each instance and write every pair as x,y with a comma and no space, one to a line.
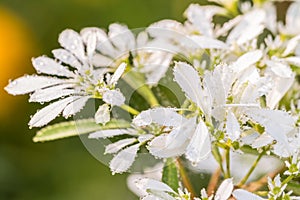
200,18
155,189
223,192
230,95
239,30
275,187
161,191
119,44
212,93
125,150
166,133
74,81
181,136
292,22
293,166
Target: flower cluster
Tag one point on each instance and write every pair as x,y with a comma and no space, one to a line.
237,82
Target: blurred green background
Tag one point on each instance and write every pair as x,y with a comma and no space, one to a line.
61,169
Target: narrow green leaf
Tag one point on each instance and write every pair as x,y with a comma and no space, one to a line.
73,128
170,174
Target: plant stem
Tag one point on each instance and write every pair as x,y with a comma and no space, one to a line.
129,109
185,179
137,82
254,186
217,155
227,158
288,179
213,182
243,181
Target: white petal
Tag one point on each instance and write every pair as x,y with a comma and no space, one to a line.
48,113
278,91
161,116
27,84
89,37
214,84
281,83
102,115
241,194
124,159
292,16
262,141
72,41
66,57
142,39
167,44
227,26
249,27
121,37
117,146
280,69
208,43
75,106
158,63
293,60
246,60
225,189
47,65
284,150
51,93
291,45
108,133
145,137
117,74
100,60
189,81
271,17
200,145
157,147
167,24
201,17
232,126
113,97
105,46
249,137
145,184
253,91
175,143
250,33
166,29
277,123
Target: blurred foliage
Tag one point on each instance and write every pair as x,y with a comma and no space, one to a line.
61,169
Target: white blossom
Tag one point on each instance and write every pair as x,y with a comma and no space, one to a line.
75,80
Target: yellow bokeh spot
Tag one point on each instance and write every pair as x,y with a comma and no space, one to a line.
16,50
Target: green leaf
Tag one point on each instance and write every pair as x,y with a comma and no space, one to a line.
294,186
170,174
73,128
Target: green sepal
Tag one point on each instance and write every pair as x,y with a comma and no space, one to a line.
73,128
